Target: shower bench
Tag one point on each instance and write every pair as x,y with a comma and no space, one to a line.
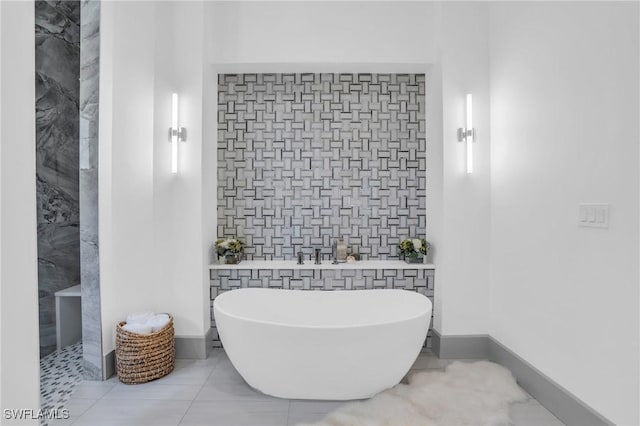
68,316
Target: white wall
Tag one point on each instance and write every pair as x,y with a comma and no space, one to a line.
321,32
462,247
447,41
512,224
209,151
156,229
564,113
434,164
163,179
128,280
150,219
19,355
1,60
190,295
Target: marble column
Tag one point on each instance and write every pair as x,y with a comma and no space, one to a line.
89,247
57,96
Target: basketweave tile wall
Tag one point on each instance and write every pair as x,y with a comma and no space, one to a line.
306,158
419,280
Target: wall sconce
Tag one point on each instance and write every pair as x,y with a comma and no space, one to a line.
468,134
176,134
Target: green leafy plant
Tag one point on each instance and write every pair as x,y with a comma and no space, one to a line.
414,247
229,246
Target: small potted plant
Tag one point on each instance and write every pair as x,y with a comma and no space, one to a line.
229,250
414,250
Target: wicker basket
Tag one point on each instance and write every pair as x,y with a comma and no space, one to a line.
141,358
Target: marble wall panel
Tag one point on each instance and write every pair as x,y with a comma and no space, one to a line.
57,41
89,244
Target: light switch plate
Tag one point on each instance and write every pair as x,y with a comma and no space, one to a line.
593,215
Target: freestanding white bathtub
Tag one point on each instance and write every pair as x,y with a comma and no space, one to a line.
335,345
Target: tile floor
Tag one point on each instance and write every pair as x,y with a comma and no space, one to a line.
60,372
210,392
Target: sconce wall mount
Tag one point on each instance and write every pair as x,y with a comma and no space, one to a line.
464,134
180,133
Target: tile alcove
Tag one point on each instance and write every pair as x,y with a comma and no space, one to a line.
367,274
304,158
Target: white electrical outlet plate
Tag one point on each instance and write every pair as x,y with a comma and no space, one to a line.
593,215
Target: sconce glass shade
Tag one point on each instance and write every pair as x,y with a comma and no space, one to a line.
469,133
174,133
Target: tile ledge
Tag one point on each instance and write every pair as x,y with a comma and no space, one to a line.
291,264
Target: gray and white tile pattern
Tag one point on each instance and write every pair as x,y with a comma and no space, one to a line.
420,280
307,158
60,372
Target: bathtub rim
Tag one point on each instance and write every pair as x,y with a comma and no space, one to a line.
426,314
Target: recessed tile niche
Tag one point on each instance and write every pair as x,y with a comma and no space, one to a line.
306,158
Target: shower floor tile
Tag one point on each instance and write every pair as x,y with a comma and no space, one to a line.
211,392
60,372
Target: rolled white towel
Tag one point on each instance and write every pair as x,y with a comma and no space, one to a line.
161,318
137,328
139,317
158,321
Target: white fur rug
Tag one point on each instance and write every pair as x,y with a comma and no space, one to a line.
474,394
